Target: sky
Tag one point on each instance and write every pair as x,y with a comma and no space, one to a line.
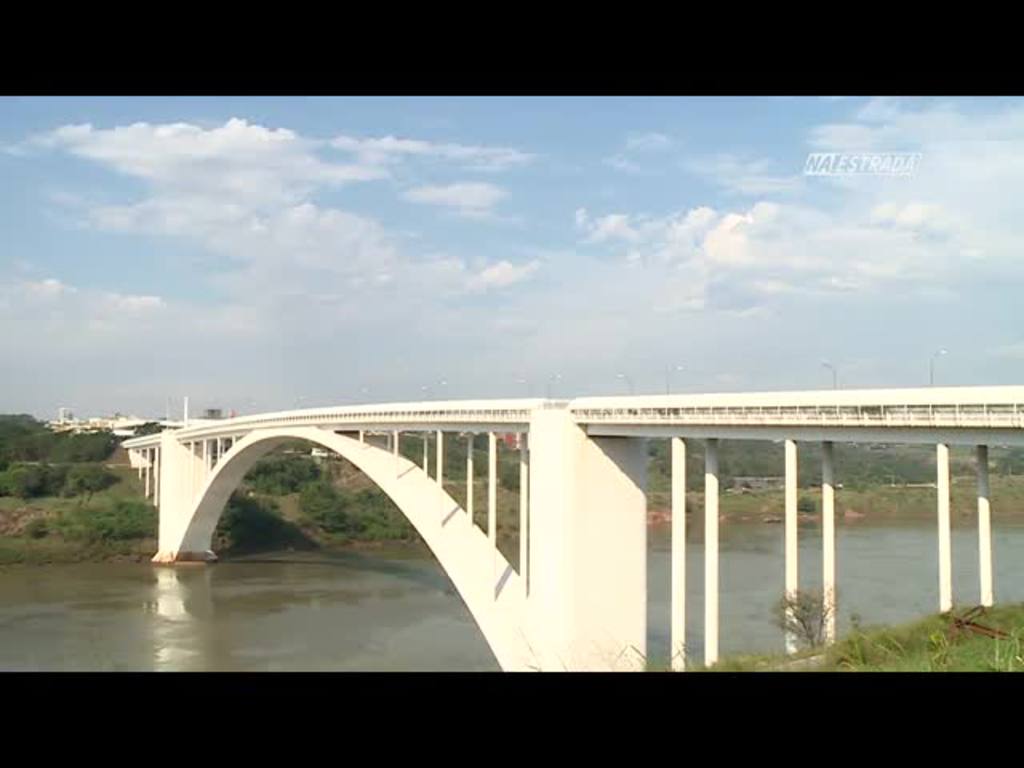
256,254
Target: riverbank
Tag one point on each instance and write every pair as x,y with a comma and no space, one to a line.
872,503
991,640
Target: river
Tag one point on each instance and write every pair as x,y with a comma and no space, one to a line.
394,609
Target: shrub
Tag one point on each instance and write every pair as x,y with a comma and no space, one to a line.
806,504
804,616
119,520
37,529
87,479
280,475
325,506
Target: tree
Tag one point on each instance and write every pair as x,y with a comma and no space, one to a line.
804,616
87,479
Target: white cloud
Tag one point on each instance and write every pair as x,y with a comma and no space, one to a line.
648,142
472,198
238,161
637,153
50,288
503,274
390,148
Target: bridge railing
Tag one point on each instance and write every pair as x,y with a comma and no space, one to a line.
995,415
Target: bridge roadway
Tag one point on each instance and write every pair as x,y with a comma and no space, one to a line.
583,465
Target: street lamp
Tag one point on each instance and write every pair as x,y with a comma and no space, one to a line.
668,377
835,376
556,377
628,381
931,366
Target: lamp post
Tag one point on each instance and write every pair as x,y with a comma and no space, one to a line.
835,376
629,381
668,377
931,366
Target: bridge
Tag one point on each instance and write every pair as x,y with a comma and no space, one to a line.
577,597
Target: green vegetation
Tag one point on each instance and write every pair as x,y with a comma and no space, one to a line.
282,474
24,439
933,644
252,524
30,481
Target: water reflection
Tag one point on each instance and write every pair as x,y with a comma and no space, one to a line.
182,603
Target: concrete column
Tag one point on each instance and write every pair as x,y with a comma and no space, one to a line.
587,607
524,510
469,478
156,479
426,454
678,554
394,439
362,436
792,555
828,541
206,457
984,527
711,552
945,547
439,459
492,489
147,471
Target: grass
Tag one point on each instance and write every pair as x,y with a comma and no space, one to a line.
927,645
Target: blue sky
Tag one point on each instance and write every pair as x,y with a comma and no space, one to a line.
266,253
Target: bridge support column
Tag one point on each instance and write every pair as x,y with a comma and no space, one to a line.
440,473
178,464
984,527
524,511
394,437
828,541
710,552
492,491
156,478
945,547
792,551
587,608
147,471
426,454
470,476
678,648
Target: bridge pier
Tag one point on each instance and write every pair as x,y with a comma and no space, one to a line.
828,541
470,476
945,546
587,608
492,496
524,511
440,475
177,490
710,551
792,545
678,637
984,527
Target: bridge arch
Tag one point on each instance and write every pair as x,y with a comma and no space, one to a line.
490,589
